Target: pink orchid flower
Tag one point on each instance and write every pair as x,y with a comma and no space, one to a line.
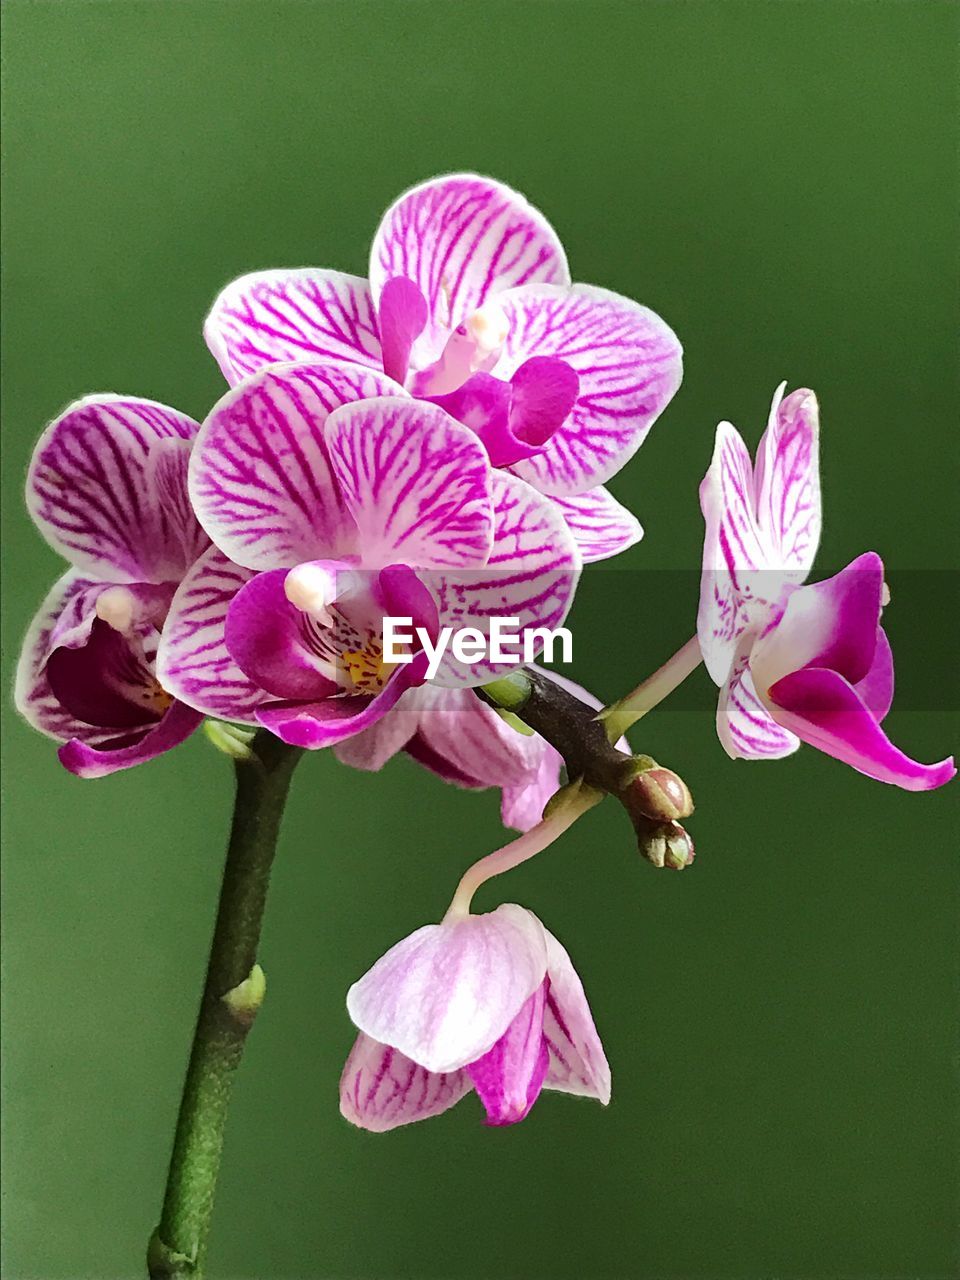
468,743
333,498
469,303
794,663
107,488
484,1002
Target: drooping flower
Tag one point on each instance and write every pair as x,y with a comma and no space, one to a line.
469,303
107,488
794,663
333,499
487,1002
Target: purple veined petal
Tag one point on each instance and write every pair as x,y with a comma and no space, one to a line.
830,624
88,761
73,596
735,585
260,478
522,803
106,488
275,644
601,527
447,993
193,662
370,749
380,1089
473,741
531,575
509,1076
314,725
416,483
629,365
788,482
875,690
745,727
461,239
296,314
578,1064
823,709
403,317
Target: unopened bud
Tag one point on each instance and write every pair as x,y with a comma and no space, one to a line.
659,794
665,844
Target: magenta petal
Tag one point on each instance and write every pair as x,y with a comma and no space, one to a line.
822,708
405,596
875,690
381,1089
305,314
509,1076
322,724
106,682
461,239
107,488
403,315
88,761
482,403
544,391
273,642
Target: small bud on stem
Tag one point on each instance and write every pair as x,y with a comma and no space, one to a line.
665,844
659,794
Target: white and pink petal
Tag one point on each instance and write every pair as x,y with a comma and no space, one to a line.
578,1063
600,525
788,483
381,1089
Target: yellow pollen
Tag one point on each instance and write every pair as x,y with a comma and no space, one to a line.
156,698
366,667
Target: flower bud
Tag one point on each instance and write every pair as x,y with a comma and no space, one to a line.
659,794
665,844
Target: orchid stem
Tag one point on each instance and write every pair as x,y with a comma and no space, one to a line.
626,711
232,995
560,817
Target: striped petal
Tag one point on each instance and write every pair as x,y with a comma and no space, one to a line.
446,994
107,489
509,1076
531,575
628,361
601,527
300,314
578,1064
462,239
193,662
745,726
788,483
260,478
735,586
416,482
380,1089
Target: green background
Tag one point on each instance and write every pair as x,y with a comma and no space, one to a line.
778,180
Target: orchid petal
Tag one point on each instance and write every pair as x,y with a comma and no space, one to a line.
299,314
107,489
522,802
371,748
509,1076
831,624
473,740
323,724
193,662
107,681
788,483
87,761
403,316
260,478
745,726
875,689
734,589
600,526
446,994
416,482
461,239
629,364
823,709
578,1064
381,1089
73,596
531,575
272,641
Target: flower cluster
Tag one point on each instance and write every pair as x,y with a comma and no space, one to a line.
433,442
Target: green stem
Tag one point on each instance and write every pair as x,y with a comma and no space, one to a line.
231,997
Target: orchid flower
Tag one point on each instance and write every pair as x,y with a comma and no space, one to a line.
107,488
471,745
485,1002
469,304
333,499
794,663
